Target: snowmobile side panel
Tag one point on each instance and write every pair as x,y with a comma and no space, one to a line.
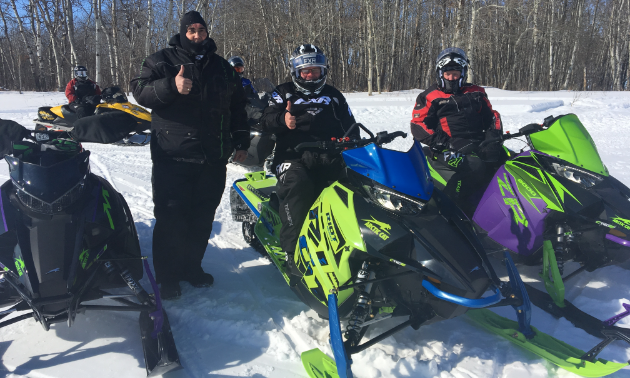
406,172
569,140
57,110
545,346
328,237
127,107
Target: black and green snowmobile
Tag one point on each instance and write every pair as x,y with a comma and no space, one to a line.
383,243
67,238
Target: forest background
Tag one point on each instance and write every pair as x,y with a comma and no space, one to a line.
372,45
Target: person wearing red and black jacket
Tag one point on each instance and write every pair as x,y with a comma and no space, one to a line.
453,119
304,110
82,93
198,121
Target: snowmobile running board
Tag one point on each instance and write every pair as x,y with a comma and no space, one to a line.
318,365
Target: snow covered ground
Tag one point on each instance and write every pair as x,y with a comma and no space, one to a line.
251,324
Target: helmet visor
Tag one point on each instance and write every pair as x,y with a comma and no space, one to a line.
308,60
81,74
239,69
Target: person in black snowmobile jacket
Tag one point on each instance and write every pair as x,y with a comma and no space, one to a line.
304,110
453,119
198,120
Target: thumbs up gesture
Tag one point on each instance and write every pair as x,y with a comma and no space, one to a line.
288,118
183,85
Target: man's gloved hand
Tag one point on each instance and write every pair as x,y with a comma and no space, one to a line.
491,152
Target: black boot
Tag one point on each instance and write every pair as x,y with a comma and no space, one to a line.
202,279
291,268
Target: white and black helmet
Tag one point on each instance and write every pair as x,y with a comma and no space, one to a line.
450,59
80,73
308,55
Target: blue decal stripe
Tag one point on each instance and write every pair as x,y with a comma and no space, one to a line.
249,204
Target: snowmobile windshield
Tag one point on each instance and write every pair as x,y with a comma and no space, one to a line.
569,140
403,172
49,188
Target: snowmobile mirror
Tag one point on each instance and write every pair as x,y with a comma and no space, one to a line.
530,129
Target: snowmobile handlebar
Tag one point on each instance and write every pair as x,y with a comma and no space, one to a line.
347,143
523,131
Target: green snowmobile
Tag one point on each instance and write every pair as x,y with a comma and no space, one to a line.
384,243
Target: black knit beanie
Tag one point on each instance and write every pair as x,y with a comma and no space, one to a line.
190,18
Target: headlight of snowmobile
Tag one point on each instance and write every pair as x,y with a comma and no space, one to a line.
392,200
577,175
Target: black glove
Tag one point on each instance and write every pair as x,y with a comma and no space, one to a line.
491,152
92,100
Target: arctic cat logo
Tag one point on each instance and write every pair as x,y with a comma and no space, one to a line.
625,223
19,265
519,215
379,228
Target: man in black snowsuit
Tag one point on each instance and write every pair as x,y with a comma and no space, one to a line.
198,120
304,110
453,118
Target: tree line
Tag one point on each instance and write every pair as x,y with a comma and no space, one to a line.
373,45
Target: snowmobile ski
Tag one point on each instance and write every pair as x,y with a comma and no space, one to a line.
577,317
545,346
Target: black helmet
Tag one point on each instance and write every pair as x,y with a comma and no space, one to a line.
48,177
308,55
114,95
451,59
80,73
238,64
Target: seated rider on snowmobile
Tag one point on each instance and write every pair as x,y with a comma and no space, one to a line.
239,66
83,94
453,117
304,110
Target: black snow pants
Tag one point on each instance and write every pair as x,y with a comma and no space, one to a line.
299,185
186,196
83,109
467,175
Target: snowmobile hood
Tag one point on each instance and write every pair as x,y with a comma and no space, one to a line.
569,140
176,42
405,172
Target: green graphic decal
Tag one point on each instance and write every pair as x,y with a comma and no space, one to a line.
517,210
379,228
19,265
625,223
532,182
107,207
83,257
435,175
459,186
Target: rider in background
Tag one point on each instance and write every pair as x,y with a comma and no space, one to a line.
239,66
453,117
305,109
83,94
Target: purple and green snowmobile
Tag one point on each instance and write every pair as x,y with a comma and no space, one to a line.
554,203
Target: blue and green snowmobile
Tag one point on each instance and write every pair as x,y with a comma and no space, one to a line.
383,243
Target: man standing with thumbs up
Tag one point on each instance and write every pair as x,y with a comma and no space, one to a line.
304,110
198,120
